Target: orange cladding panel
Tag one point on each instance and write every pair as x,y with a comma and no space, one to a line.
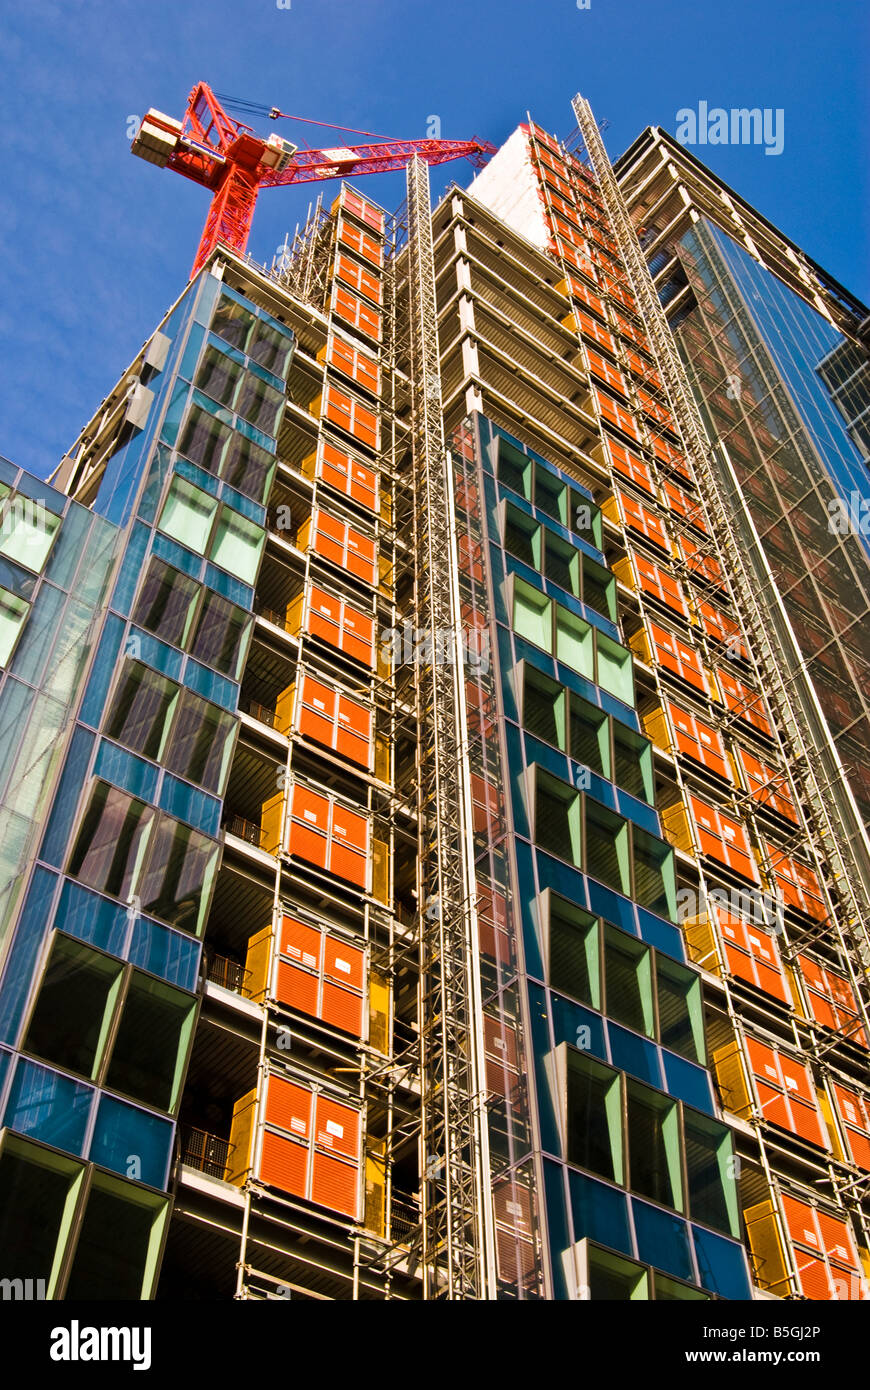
284,1163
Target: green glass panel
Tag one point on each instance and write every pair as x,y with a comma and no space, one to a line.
187,515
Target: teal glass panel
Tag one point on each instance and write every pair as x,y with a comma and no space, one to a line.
166,953
13,615
131,569
102,671
600,1213
88,917
30,655
177,555
214,687
131,1141
18,975
662,1240
124,770
174,412
187,515
190,356
146,648
161,467
66,798
722,1265
229,587
48,1106
188,804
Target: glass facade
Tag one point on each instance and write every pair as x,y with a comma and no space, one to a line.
123,631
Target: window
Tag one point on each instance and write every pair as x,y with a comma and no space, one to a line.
248,468
221,635
681,1022
187,515
628,981
522,536
514,468
218,376
204,440
594,1117
232,322
672,1290
614,670
176,885
141,710
165,603
237,545
599,588
551,495
164,1016
117,1249
39,1192
653,1145
544,708
632,762
589,730
74,1007
111,841
574,643
562,564
27,531
200,744
270,348
533,615
711,1175
612,1277
259,404
13,615
607,847
654,877
573,938
557,818
585,518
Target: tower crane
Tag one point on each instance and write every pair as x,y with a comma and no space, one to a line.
227,157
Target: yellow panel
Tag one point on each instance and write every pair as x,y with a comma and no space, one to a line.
376,1184
308,466
380,871
677,828
768,1253
624,570
655,726
271,819
383,759
701,943
295,609
241,1138
257,963
732,1080
379,1012
284,710
833,1131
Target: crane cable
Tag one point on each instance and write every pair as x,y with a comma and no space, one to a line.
252,108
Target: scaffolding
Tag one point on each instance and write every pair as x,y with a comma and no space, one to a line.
457,1229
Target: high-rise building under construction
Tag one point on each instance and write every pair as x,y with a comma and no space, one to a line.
434,711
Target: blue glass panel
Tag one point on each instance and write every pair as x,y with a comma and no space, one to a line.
526,880
91,918
219,412
662,1240
174,412
23,953
102,672
721,1264
161,466
516,764
557,1224
265,441
639,812
208,289
229,351
67,549
40,491
549,758
634,1054
131,569
39,633
165,953
541,1047
214,687
688,1081
253,510
605,903
5,1059
661,934
177,555
229,586
189,804
600,1213
66,798
126,771
155,653
124,1134
567,882
198,476
8,471
190,356
22,582
624,713
49,1106
577,1026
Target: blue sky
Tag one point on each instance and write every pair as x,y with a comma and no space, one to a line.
95,245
